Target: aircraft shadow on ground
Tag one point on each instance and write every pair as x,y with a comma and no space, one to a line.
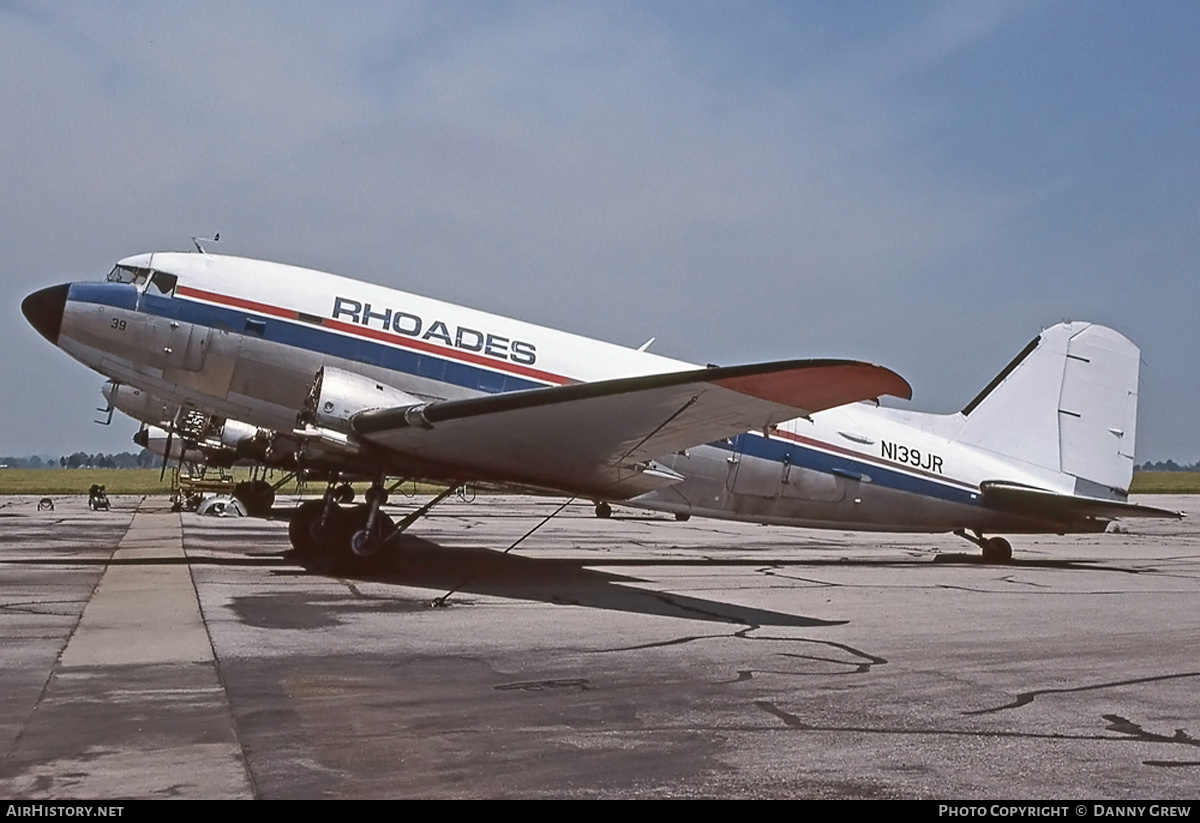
417,562
413,561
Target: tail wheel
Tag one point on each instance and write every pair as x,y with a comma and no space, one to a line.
603,509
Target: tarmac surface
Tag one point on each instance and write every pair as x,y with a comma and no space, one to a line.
147,654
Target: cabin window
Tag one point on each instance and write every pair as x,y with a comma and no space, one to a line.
256,327
162,283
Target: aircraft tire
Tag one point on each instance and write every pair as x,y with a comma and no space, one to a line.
304,529
996,550
256,495
682,517
264,494
603,510
365,545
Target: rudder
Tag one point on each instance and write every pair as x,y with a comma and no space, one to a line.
1068,403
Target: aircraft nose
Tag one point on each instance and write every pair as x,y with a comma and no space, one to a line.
44,310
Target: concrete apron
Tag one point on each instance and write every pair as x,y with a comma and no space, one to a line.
135,707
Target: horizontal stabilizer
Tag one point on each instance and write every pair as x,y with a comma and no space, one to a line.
601,438
1026,500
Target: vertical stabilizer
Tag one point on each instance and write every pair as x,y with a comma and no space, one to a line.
1068,403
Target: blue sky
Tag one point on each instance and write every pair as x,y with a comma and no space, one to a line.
921,184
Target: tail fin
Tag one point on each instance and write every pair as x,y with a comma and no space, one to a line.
1068,402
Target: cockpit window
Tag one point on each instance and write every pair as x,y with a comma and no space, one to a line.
128,274
162,283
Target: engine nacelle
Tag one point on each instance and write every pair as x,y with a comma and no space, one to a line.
235,432
336,396
156,440
140,405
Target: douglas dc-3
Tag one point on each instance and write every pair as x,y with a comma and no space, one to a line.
288,365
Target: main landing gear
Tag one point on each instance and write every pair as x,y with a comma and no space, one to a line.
348,538
258,496
994,549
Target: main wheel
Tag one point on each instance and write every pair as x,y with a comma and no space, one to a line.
603,509
996,550
307,536
364,543
256,495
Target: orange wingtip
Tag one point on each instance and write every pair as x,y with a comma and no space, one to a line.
824,386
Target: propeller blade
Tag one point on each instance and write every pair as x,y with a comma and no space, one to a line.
166,454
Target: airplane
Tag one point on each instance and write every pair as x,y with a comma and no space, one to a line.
370,381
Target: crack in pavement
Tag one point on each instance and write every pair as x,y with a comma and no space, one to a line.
864,664
1008,578
1134,731
1130,733
1116,723
41,607
579,684
790,720
659,644
1025,698
774,571
1169,764
861,668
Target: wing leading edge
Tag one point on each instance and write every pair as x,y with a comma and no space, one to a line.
600,439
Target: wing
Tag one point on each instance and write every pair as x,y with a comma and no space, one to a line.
600,439
1026,500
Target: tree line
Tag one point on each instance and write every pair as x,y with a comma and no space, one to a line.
145,459
1167,466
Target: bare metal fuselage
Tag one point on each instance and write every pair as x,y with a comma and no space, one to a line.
243,340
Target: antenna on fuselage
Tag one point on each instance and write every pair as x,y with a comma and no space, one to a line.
216,238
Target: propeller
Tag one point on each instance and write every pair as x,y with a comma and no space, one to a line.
166,454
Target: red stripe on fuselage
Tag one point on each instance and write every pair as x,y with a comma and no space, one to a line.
504,366
377,334
869,458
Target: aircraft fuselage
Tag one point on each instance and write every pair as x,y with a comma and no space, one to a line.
243,339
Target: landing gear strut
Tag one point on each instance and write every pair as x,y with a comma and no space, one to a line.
994,549
376,526
308,530
348,537
319,529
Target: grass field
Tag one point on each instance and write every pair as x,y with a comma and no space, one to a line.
115,481
1166,483
145,481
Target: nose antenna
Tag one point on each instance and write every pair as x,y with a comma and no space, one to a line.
196,241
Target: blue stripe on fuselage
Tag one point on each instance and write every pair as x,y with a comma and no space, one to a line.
117,295
318,339
806,457
362,350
